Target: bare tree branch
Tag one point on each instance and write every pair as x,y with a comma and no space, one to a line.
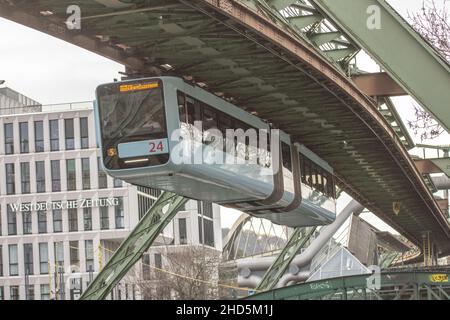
434,25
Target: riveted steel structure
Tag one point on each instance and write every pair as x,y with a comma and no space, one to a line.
293,76
132,249
414,285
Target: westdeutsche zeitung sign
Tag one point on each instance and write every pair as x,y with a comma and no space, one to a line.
67,204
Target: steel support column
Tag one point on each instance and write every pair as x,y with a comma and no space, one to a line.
131,250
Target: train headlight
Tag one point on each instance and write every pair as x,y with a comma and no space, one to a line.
112,152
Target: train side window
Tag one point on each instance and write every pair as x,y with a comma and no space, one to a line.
331,190
302,168
190,103
307,171
286,154
182,106
319,179
225,122
209,118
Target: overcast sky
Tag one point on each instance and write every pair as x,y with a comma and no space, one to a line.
49,70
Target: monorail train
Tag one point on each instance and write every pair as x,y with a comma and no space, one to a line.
168,134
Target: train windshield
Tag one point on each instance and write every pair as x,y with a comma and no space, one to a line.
131,111
132,116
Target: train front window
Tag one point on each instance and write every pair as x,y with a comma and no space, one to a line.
130,112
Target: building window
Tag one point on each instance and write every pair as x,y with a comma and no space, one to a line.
1,261
9,138
59,254
102,177
10,178
45,292
73,220
206,231
23,135
118,183
74,254
104,218
69,133
40,176
71,175
13,260
158,260
182,230
43,258
39,136
84,133
87,216
28,258
12,221
86,173
56,176
207,209
27,222
25,177
2,293
89,250
119,214
57,220
30,292
54,135
14,292
42,221
146,273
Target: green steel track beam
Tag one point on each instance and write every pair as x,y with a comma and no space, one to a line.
131,250
398,48
298,240
424,282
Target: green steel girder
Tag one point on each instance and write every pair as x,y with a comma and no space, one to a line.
300,237
401,51
134,246
393,285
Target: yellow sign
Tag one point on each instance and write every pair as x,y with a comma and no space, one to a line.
138,87
439,278
396,207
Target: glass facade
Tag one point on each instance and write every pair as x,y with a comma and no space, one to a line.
39,136
9,138
54,135
23,133
43,258
10,178
27,222
87,218
119,214
69,134
28,258
42,221
25,177
86,173
73,220
13,260
40,176
56,175
71,175
57,220
84,133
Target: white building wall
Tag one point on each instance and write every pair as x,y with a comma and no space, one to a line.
128,192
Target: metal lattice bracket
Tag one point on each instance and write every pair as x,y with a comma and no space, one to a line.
131,250
297,241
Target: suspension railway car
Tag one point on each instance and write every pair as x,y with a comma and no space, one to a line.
137,121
